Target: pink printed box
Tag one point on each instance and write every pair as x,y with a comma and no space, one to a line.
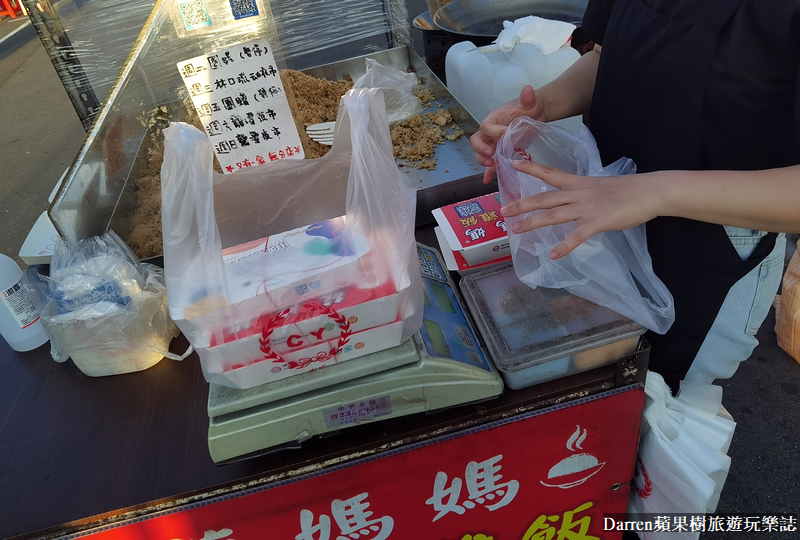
267,362
310,323
298,301
280,272
474,229
287,268
456,262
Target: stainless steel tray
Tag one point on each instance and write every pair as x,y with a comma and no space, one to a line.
457,175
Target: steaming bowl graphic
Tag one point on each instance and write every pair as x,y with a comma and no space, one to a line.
573,471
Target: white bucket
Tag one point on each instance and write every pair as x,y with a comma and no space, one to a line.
102,362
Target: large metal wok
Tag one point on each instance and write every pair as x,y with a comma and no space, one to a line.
484,18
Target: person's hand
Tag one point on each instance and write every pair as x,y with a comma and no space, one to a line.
484,143
597,204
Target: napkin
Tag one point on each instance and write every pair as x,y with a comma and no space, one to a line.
547,35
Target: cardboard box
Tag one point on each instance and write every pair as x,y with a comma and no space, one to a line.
475,229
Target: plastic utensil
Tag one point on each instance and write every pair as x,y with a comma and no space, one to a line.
322,133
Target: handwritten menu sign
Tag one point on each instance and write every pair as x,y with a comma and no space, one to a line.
242,105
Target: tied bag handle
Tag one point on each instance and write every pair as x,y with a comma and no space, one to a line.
381,196
192,244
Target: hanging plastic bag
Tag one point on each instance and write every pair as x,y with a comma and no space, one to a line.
682,463
398,90
612,269
787,323
283,268
103,308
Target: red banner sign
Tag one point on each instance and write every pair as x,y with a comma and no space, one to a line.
544,476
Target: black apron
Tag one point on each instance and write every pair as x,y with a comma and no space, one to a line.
647,106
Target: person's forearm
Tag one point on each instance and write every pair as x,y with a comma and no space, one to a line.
766,200
571,93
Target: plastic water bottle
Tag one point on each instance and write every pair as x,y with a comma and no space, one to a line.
19,321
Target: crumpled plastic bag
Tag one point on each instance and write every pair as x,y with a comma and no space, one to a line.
102,307
397,86
612,269
329,234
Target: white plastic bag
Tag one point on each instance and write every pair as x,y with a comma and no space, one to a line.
103,308
682,463
397,87
283,268
612,269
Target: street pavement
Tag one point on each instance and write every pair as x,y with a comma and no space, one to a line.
41,135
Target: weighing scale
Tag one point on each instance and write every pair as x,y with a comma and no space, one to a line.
442,366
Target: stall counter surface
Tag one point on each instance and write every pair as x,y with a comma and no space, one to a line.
79,452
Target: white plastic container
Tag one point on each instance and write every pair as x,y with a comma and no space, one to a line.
19,321
484,78
145,344
104,362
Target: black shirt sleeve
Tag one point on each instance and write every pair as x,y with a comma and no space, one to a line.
595,19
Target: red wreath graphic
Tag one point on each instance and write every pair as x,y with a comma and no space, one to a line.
322,356
525,155
647,487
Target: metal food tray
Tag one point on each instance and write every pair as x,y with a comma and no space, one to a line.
94,193
457,175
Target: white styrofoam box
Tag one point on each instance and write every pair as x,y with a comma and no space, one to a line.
40,243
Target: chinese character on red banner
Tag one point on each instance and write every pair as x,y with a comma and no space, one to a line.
542,530
351,517
483,486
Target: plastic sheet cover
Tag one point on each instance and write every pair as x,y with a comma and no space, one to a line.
302,34
100,37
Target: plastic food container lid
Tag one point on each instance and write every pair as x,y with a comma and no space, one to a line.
525,327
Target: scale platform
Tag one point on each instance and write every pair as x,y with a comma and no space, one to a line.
442,366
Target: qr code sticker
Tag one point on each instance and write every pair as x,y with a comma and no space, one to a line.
195,14
468,209
243,8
